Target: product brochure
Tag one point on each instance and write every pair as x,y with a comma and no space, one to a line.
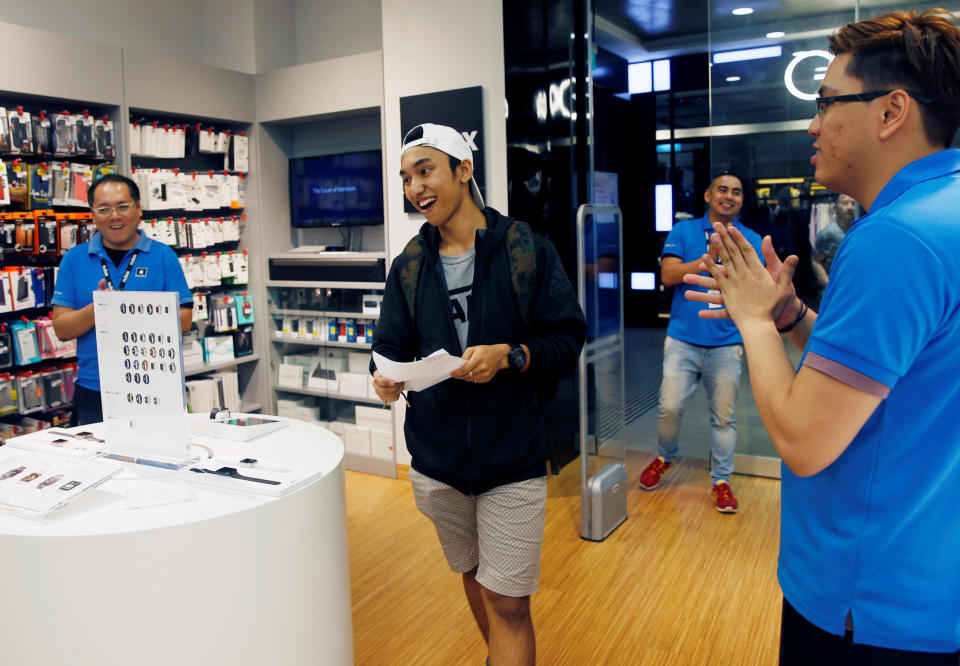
422,374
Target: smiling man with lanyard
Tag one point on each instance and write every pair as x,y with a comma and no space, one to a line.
117,257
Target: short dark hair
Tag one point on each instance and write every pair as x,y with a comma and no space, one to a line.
454,163
919,51
721,175
113,178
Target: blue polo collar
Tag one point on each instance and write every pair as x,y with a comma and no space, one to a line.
95,246
926,168
708,225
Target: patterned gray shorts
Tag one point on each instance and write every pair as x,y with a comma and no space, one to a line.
500,531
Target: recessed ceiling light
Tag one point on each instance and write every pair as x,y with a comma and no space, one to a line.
733,79
742,11
776,34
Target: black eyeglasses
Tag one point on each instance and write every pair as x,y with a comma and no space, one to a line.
824,102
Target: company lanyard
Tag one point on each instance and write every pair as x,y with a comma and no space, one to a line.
706,236
126,273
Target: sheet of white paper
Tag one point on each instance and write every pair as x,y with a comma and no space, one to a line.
422,374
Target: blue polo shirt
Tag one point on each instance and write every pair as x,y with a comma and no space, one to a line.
689,240
156,269
877,532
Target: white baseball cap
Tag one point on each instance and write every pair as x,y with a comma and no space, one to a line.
447,140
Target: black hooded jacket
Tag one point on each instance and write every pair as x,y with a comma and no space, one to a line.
475,437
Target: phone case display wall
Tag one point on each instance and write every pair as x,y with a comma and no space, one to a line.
210,270
28,130
44,393
141,373
193,177
226,320
171,189
44,184
31,349
41,234
50,152
170,140
197,233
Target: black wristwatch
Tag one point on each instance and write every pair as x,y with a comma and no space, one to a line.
516,358
234,474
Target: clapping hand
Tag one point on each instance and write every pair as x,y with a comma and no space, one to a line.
749,290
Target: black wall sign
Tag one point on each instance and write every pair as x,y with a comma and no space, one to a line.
461,109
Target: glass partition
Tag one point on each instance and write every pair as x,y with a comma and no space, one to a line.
765,71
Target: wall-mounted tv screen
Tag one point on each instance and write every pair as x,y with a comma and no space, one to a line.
336,190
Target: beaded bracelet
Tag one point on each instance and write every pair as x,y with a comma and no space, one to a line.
800,315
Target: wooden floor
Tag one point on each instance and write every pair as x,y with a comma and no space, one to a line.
678,583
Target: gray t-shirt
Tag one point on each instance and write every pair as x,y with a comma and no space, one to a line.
459,274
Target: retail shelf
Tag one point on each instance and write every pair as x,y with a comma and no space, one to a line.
328,257
322,343
227,287
309,284
285,312
212,367
328,394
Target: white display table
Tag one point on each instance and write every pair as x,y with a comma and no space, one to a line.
232,578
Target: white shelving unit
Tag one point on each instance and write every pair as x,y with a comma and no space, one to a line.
328,257
323,343
223,365
327,394
325,284
323,313
296,299
310,122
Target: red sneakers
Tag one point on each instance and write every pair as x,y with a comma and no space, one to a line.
726,502
653,474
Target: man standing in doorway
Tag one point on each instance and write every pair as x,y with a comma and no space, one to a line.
481,285
867,428
117,257
697,350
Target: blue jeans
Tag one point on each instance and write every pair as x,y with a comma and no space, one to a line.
684,365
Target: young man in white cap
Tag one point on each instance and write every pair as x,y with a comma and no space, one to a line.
479,284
